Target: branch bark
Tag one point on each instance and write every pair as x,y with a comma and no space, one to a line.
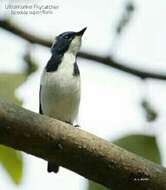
77,150
110,61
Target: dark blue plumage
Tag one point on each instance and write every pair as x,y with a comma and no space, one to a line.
62,42
76,71
40,108
58,50
54,62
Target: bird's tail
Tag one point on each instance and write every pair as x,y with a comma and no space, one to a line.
52,167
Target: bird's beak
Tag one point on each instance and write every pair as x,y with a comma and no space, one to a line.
81,32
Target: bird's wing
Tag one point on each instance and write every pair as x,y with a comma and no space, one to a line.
40,108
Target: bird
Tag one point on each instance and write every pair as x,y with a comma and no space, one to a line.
60,84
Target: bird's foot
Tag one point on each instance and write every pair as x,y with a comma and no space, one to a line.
72,124
77,125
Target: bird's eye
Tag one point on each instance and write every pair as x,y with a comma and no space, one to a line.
67,37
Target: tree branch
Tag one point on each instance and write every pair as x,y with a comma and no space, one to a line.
77,150
110,61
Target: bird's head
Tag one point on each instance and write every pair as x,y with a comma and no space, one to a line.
68,41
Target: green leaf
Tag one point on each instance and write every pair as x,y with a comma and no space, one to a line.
95,186
143,145
12,162
8,84
11,159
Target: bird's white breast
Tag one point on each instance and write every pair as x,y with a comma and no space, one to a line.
60,91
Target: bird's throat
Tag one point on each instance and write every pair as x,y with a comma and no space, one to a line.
67,64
